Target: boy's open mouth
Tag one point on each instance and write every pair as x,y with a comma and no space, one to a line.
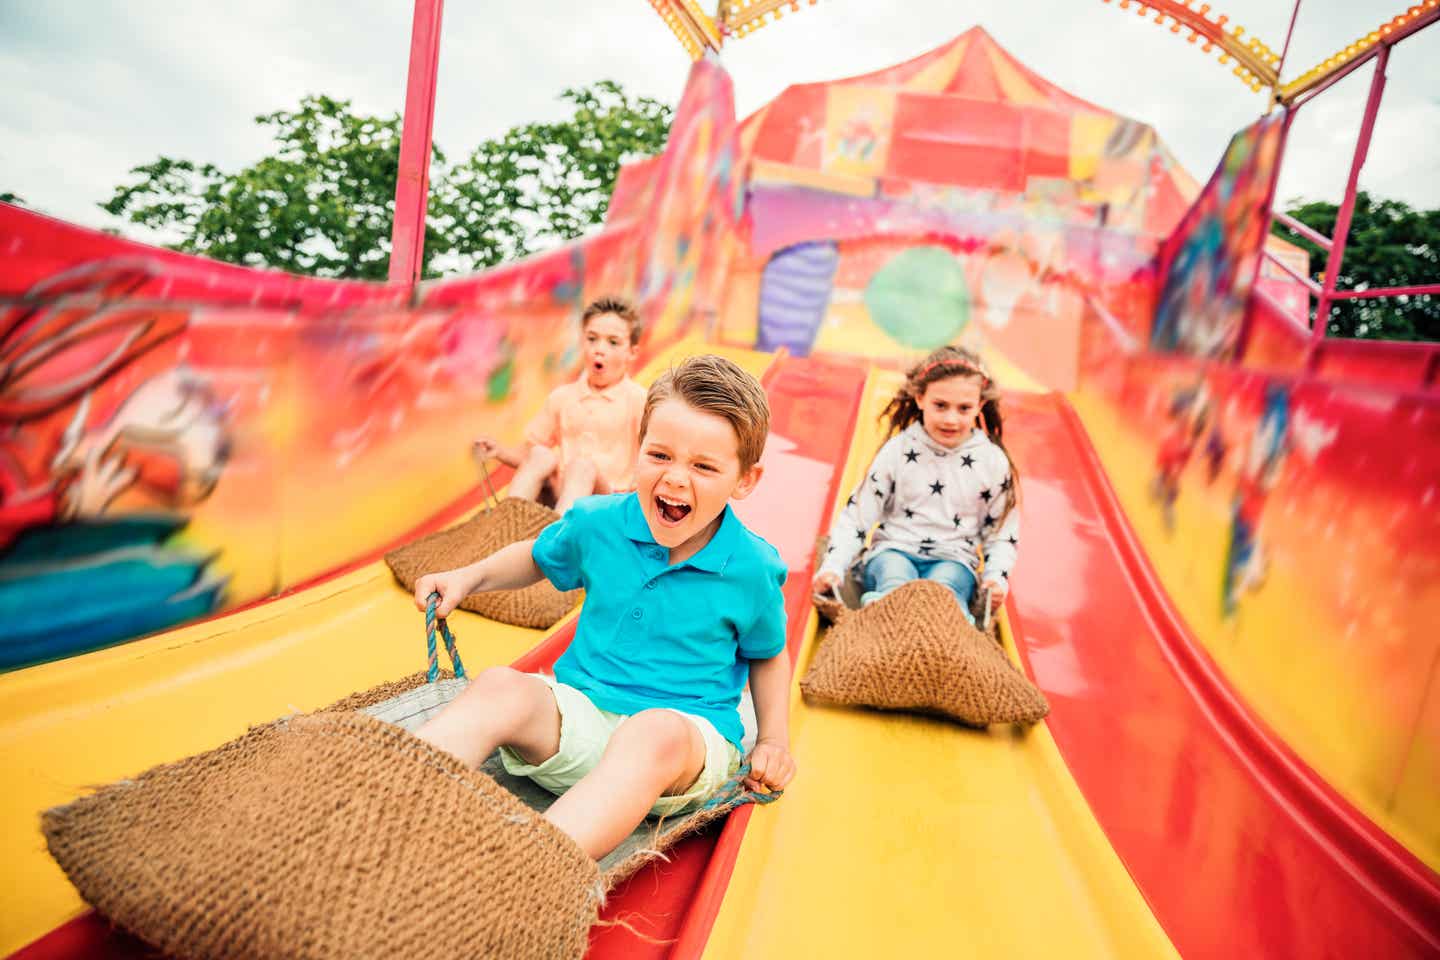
671,511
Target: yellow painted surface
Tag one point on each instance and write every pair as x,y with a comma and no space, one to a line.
88,720
913,837
92,719
1279,653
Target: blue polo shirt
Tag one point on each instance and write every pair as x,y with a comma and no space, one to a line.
655,635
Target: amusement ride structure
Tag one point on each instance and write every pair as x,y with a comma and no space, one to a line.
1227,587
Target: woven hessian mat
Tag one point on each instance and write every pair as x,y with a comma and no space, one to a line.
329,835
913,650
539,605
410,702
339,834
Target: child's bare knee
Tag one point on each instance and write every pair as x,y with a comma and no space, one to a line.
541,458
496,685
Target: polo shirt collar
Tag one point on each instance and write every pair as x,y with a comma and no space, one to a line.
609,393
711,558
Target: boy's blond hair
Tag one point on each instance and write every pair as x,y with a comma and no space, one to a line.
717,386
619,306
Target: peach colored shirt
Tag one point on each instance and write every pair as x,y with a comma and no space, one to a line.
603,425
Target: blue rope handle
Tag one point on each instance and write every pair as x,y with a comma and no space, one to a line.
734,794
433,673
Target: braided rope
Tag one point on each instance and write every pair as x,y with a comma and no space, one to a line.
732,792
492,501
433,672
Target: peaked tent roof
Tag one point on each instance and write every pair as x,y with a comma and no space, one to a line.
975,66
969,114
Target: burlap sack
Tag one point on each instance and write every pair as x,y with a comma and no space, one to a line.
410,702
332,835
913,650
540,605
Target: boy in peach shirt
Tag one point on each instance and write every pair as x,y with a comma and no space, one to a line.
583,441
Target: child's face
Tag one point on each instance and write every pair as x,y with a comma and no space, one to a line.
605,345
689,468
948,409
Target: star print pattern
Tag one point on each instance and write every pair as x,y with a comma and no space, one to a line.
928,501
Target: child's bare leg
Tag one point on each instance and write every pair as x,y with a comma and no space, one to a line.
653,753
580,480
500,706
537,466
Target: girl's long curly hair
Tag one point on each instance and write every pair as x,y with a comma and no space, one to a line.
944,363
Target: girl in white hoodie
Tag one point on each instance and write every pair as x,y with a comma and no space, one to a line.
940,496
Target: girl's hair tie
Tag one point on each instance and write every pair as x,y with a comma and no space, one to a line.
964,364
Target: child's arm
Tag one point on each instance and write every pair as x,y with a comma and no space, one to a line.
489,447
771,766
1002,543
508,568
867,506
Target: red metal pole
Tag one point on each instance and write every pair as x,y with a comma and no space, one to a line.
1285,50
412,184
1418,290
1347,209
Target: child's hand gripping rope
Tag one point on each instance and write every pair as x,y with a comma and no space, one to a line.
431,621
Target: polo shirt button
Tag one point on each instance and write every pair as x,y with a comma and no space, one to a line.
650,585
636,614
657,554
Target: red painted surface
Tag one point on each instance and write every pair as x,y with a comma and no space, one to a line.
44,257
668,908
412,182
1239,848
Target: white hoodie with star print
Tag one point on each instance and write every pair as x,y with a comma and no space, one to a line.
923,499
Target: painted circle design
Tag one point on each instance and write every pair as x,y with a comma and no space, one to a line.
920,298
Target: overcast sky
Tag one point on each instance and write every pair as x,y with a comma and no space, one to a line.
95,88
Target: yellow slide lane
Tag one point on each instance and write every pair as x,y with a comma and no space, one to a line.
907,836
86,721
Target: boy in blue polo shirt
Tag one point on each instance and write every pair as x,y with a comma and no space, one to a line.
682,604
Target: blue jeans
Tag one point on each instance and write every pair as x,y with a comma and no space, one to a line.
888,569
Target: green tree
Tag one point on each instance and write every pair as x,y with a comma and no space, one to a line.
1390,245
14,198
543,183
323,202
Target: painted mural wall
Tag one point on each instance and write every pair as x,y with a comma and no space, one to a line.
1210,262
180,437
966,199
1293,522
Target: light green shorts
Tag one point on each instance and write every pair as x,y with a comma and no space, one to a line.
585,729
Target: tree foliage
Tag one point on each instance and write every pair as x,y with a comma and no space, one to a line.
13,198
541,183
1390,245
323,202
